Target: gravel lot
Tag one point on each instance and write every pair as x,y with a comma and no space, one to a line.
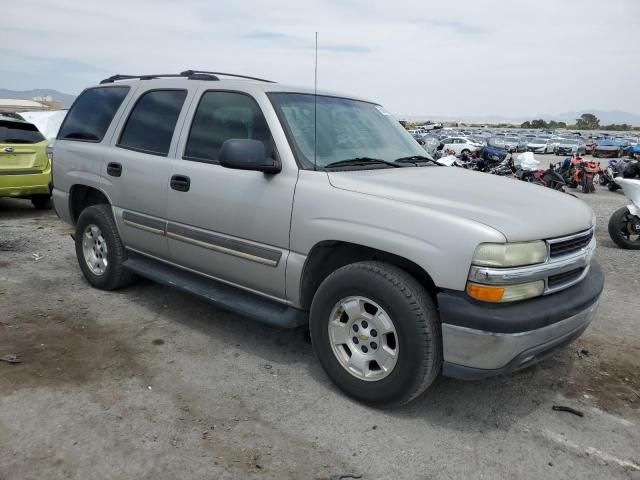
151,383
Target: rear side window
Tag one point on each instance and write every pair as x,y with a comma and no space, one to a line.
91,114
19,132
152,120
222,116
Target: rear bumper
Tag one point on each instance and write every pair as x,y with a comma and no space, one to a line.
61,205
482,341
25,185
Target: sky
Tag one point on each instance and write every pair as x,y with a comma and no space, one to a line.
466,57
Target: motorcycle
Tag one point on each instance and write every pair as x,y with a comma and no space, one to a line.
550,178
584,173
619,168
624,224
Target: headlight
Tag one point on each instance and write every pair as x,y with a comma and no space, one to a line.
505,293
510,254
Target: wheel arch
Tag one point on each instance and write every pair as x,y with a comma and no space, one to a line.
83,196
329,255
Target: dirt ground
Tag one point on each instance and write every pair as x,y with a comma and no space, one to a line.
152,383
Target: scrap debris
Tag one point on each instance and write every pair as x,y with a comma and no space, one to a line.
562,408
10,358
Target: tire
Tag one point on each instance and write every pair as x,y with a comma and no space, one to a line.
113,275
416,336
612,186
618,225
586,188
602,180
41,202
466,151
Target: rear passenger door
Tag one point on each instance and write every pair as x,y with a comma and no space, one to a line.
230,224
136,168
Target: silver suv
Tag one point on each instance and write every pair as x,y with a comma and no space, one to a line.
319,210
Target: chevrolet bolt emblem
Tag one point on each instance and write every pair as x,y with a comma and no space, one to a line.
363,338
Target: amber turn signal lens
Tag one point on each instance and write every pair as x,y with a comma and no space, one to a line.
485,293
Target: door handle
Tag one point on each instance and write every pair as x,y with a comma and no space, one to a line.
114,169
180,183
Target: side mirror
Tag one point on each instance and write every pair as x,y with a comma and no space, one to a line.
247,154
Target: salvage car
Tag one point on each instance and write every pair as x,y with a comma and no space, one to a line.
568,146
540,145
515,144
25,167
609,149
317,209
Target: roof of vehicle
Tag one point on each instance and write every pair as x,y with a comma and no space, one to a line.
214,80
8,118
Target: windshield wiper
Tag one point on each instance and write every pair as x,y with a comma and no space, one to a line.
415,159
361,161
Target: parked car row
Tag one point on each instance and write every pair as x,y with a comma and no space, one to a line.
536,141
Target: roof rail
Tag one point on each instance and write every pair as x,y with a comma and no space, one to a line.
204,72
190,74
194,76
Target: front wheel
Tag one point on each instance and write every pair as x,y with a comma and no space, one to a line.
376,332
624,229
99,250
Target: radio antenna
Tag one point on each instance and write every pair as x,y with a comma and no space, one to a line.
315,109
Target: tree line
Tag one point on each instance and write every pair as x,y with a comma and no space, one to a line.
587,121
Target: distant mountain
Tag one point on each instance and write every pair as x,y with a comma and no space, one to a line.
65,99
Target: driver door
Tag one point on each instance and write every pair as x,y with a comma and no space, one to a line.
229,224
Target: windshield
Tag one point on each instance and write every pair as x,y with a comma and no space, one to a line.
570,142
512,139
346,129
539,140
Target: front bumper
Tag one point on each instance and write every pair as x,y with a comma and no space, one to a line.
482,340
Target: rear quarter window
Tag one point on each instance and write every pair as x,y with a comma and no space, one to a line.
19,132
92,113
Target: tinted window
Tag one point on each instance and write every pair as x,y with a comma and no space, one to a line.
92,113
152,120
221,116
19,132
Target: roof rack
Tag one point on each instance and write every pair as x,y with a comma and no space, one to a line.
189,74
204,72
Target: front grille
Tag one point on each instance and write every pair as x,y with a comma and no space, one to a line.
566,277
566,247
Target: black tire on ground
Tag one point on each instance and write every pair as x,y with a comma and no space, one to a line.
415,319
602,180
617,224
114,276
466,151
41,202
612,186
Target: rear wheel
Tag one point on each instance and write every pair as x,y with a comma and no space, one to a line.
99,250
376,333
41,202
624,229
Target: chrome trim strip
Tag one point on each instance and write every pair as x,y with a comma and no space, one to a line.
531,273
148,224
489,350
143,227
218,248
571,237
227,282
223,244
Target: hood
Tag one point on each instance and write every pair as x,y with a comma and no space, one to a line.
519,210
